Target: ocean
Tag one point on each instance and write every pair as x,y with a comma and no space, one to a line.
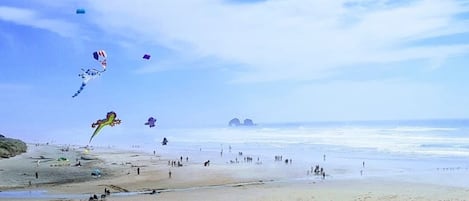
430,151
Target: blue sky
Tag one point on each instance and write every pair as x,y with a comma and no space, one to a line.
212,60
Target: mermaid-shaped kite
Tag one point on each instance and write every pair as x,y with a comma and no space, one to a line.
111,120
92,73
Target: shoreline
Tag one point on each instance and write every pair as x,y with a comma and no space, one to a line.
134,174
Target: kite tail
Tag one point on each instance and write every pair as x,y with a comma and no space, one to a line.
96,131
79,90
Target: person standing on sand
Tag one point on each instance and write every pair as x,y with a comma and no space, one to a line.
363,163
138,171
324,157
37,175
169,173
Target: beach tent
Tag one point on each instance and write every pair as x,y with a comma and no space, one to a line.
96,172
62,159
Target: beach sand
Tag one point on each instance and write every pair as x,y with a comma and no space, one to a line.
192,181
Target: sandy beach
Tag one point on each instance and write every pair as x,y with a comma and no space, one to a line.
133,175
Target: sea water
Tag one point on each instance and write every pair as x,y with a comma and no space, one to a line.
428,151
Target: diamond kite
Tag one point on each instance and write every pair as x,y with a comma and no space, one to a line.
146,56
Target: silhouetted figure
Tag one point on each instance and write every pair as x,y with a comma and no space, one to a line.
165,141
138,171
169,173
207,163
37,175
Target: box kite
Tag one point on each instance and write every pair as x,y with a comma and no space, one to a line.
80,11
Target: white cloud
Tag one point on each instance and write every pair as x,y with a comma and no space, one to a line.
32,18
293,40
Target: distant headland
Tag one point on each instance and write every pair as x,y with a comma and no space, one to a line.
11,147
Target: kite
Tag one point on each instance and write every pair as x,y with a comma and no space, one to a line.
146,56
93,73
165,141
151,122
111,120
101,57
80,11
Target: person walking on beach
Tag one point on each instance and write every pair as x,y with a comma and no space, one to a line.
138,171
169,173
324,157
37,175
363,163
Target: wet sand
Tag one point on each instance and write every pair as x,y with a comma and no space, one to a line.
192,181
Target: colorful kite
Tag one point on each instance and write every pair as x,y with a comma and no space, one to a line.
146,56
93,73
80,11
151,122
101,56
111,120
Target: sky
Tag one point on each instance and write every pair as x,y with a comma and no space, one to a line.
213,60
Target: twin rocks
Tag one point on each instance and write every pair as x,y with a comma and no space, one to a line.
11,147
236,122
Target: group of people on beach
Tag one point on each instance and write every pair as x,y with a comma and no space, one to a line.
319,171
177,163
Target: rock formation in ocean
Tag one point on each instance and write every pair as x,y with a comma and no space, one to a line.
248,122
11,147
236,122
